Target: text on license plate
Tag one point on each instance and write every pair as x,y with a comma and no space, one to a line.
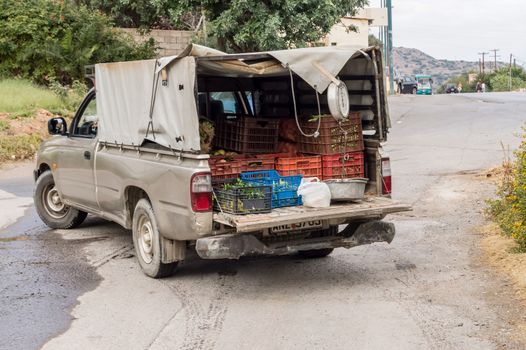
297,226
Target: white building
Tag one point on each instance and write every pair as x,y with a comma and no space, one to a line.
362,21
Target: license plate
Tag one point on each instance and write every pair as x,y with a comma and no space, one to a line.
306,225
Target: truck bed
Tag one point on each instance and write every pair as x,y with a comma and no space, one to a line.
370,207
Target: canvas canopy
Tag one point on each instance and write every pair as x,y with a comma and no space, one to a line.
155,99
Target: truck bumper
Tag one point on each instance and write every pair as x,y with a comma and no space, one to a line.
234,246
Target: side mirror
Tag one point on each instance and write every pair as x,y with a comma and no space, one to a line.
57,126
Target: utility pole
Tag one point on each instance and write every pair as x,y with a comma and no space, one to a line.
483,62
480,66
495,56
390,41
382,36
511,56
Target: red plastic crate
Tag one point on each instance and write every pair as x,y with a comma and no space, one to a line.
247,135
307,166
332,138
260,162
222,168
230,167
346,165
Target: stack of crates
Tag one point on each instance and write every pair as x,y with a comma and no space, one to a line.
340,145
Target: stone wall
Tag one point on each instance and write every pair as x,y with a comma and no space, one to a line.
170,42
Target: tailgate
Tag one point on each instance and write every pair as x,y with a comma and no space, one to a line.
369,208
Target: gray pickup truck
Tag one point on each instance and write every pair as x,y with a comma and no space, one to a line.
132,154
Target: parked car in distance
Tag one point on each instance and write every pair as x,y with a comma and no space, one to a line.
408,85
451,89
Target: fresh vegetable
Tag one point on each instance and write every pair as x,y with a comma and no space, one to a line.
247,190
206,134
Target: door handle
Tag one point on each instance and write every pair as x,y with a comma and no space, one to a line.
87,155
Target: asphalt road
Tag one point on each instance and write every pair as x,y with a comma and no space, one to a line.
427,290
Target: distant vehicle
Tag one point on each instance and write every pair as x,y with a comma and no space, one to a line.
451,89
424,84
408,85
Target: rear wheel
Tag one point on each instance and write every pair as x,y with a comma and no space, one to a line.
48,203
314,254
147,242
320,253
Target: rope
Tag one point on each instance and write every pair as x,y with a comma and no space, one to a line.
152,101
217,200
343,146
317,132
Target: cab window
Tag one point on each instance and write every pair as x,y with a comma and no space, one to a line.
228,101
87,123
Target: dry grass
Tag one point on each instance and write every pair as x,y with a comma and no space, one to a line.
500,252
18,147
21,136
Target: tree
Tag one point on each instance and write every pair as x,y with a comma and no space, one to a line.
141,14
256,25
374,41
46,40
236,25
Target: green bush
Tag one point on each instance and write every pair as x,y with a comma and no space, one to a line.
44,40
509,209
501,82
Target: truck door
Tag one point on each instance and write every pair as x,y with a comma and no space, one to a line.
75,165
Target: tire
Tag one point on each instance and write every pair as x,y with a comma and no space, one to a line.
315,254
147,242
50,208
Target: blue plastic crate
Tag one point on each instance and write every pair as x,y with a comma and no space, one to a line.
284,188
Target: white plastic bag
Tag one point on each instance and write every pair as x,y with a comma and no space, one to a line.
314,193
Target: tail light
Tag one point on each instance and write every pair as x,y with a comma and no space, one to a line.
386,176
201,192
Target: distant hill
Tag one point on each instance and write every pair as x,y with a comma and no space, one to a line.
412,61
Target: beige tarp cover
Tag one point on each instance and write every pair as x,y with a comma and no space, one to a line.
134,105
124,99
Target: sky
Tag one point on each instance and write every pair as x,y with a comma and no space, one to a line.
460,29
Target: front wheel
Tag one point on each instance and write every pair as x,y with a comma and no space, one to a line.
48,203
147,242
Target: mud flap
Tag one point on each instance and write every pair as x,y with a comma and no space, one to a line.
371,232
172,251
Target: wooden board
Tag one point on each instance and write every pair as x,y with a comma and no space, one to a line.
368,208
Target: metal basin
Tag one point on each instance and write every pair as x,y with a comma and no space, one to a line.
347,189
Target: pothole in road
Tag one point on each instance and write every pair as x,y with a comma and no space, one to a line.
404,265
